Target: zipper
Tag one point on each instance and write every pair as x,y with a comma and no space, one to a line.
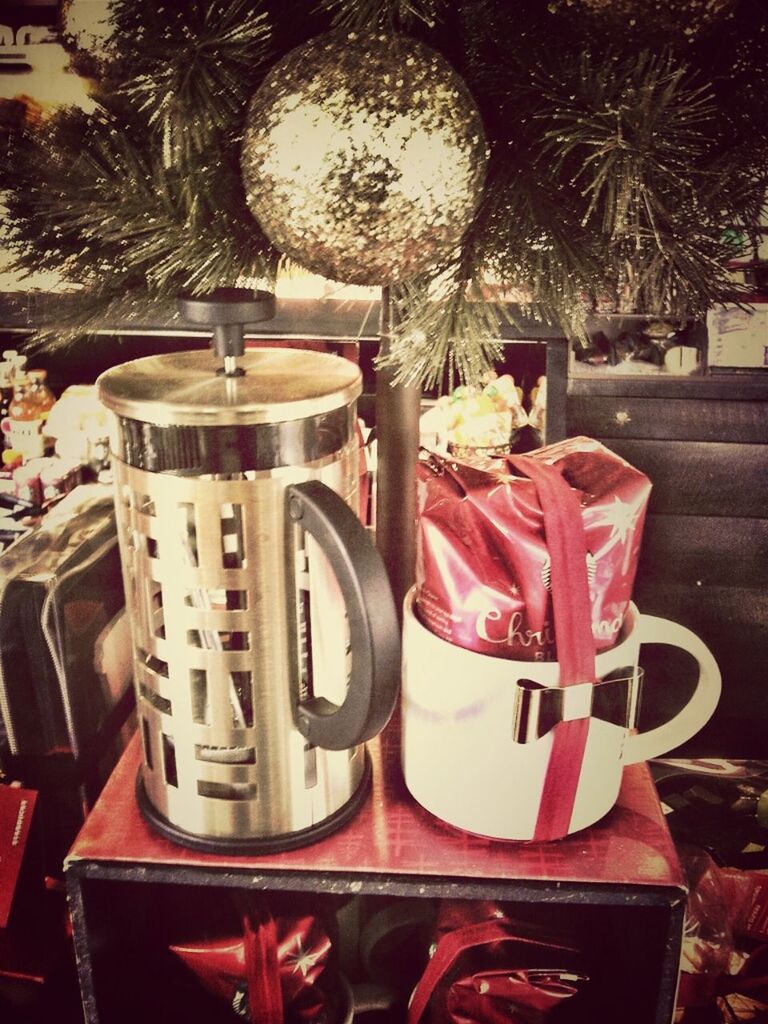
5,708
50,639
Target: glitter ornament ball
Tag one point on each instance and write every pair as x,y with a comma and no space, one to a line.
364,157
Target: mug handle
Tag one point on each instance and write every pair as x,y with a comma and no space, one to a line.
644,745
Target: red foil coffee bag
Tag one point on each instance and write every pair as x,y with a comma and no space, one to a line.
483,568
273,972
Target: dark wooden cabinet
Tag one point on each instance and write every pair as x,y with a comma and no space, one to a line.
617,887
703,442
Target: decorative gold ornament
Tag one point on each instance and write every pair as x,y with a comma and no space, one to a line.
364,157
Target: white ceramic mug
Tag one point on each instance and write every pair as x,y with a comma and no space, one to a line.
461,760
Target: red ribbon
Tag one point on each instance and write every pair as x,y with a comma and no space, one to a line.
278,961
571,607
265,996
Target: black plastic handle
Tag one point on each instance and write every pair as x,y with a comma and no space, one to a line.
228,311
373,625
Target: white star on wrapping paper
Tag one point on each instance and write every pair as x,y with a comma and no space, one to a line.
621,518
301,959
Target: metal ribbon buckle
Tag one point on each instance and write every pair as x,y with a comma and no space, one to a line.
537,708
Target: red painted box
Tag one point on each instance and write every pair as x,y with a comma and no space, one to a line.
132,893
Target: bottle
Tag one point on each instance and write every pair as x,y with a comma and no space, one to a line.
18,361
6,391
41,394
537,417
24,433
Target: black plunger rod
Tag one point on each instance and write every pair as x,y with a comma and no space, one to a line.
229,345
227,311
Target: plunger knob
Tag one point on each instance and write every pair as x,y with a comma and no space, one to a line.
227,311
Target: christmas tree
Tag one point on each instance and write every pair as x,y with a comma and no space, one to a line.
620,163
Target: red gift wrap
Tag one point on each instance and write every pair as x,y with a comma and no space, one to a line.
486,967
724,958
483,575
269,974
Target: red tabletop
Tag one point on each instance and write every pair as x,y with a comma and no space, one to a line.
392,835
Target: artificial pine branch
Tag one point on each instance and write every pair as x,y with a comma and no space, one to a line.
632,134
144,197
189,59
446,327
119,220
88,313
615,174
632,146
365,15
444,330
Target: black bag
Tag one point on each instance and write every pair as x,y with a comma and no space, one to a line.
65,660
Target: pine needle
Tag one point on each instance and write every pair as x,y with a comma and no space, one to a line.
365,15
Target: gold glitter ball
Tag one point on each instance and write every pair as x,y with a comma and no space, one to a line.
364,157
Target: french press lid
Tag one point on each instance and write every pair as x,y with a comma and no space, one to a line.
184,388
257,409
174,413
